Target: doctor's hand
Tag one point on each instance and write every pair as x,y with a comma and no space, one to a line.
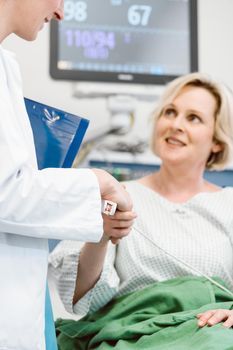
118,226
212,317
113,190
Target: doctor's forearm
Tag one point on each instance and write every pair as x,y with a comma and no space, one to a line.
90,267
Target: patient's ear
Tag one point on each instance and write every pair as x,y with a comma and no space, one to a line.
216,147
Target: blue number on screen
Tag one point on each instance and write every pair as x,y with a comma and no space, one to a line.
110,40
100,53
104,39
69,37
94,39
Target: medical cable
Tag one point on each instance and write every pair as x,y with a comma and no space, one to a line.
109,208
182,262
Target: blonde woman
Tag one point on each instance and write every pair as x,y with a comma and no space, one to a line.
177,208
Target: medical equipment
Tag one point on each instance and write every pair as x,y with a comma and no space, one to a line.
124,41
108,207
182,262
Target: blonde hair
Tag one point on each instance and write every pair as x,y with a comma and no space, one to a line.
223,132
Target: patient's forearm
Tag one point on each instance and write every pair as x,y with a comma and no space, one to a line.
90,267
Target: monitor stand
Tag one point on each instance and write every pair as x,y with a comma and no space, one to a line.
93,89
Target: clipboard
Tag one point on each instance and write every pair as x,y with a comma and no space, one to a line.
57,134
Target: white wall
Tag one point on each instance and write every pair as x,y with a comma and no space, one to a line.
215,38
215,57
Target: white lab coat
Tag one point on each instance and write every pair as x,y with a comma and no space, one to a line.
34,206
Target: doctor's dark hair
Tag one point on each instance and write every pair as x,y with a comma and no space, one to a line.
223,130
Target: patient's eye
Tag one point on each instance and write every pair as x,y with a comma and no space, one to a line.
194,118
169,112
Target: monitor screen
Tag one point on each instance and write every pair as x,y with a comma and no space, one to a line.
144,41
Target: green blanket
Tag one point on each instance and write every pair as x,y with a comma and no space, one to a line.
159,317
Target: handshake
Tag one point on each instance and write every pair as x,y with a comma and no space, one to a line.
117,206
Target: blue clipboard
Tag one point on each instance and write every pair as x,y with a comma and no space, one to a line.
57,137
57,134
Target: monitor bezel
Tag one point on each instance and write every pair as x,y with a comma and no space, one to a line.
88,76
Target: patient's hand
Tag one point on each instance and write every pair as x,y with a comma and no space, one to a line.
119,225
212,317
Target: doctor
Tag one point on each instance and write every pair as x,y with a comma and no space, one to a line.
37,205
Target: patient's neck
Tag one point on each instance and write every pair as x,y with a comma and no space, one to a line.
177,186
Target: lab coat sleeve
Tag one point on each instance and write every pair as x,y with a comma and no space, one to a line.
63,264
52,203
